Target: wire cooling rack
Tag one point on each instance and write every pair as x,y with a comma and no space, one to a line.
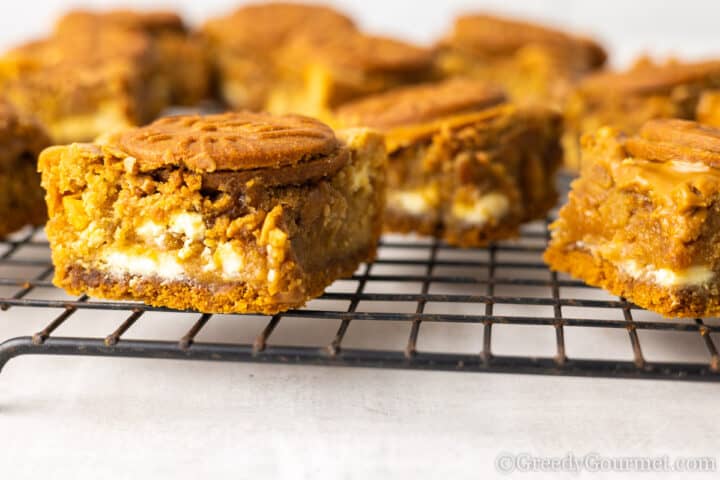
420,305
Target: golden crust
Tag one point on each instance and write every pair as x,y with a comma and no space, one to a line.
267,26
492,35
229,141
708,108
650,79
420,103
405,135
84,51
360,52
152,22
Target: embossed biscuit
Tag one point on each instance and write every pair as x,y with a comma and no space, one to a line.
229,141
420,103
667,140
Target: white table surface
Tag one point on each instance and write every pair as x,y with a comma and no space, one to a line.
81,418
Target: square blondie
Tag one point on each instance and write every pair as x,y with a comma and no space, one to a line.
21,198
643,218
181,60
318,73
628,99
79,86
463,165
243,45
237,212
531,62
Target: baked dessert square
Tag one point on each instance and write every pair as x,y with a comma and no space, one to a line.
643,218
79,86
236,212
627,100
181,60
243,45
318,73
533,63
21,198
462,165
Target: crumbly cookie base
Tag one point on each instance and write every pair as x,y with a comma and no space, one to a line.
700,301
207,297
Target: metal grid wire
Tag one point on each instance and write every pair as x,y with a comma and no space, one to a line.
504,293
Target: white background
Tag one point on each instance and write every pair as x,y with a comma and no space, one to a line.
629,27
94,418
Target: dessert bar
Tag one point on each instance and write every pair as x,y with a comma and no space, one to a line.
80,86
317,74
463,165
181,60
237,212
643,218
531,62
244,44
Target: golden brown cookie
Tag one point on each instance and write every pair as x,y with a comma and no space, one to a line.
420,103
230,141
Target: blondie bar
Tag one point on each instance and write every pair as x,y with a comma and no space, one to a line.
181,60
643,218
318,73
238,212
463,165
531,62
243,45
80,86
